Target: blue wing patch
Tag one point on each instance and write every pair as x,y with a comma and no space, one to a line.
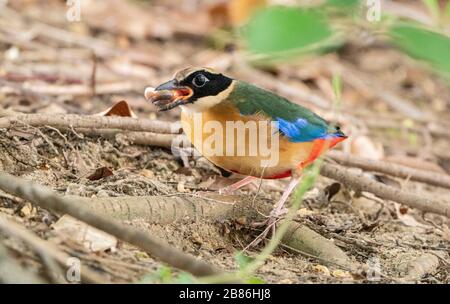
300,130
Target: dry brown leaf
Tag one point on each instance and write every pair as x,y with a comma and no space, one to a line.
234,12
100,173
91,238
119,109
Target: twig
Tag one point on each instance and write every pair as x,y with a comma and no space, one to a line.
12,273
360,182
47,199
431,178
72,89
45,248
89,121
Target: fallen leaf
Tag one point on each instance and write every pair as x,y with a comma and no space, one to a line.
100,173
119,109
234,12
91,238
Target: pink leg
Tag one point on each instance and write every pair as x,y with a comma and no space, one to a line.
233,187
278,208
276,213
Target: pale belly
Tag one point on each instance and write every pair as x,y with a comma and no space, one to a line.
243,144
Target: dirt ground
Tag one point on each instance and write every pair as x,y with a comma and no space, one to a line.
371,231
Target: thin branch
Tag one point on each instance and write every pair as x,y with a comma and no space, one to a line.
431,178
360,182
47,199
36,88
89,121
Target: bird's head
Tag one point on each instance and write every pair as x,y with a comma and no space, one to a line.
196,89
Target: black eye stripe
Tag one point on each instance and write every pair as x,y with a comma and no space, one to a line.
191,77
216,83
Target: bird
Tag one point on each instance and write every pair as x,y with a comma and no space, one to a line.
211,102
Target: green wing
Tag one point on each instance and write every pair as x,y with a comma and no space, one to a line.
294,121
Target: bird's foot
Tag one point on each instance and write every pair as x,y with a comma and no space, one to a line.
269,225
184,153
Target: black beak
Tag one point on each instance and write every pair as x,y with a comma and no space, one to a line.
169,85
168,95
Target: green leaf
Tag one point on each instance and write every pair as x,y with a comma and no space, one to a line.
279,29
242,260
254,280
342,3
423,44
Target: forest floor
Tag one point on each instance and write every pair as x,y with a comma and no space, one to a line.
44,57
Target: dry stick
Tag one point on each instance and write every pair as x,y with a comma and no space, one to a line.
47,199
89,121
45,248
12,273
360,182
158,209
431,178
73,89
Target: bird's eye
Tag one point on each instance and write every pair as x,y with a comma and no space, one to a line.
200,80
